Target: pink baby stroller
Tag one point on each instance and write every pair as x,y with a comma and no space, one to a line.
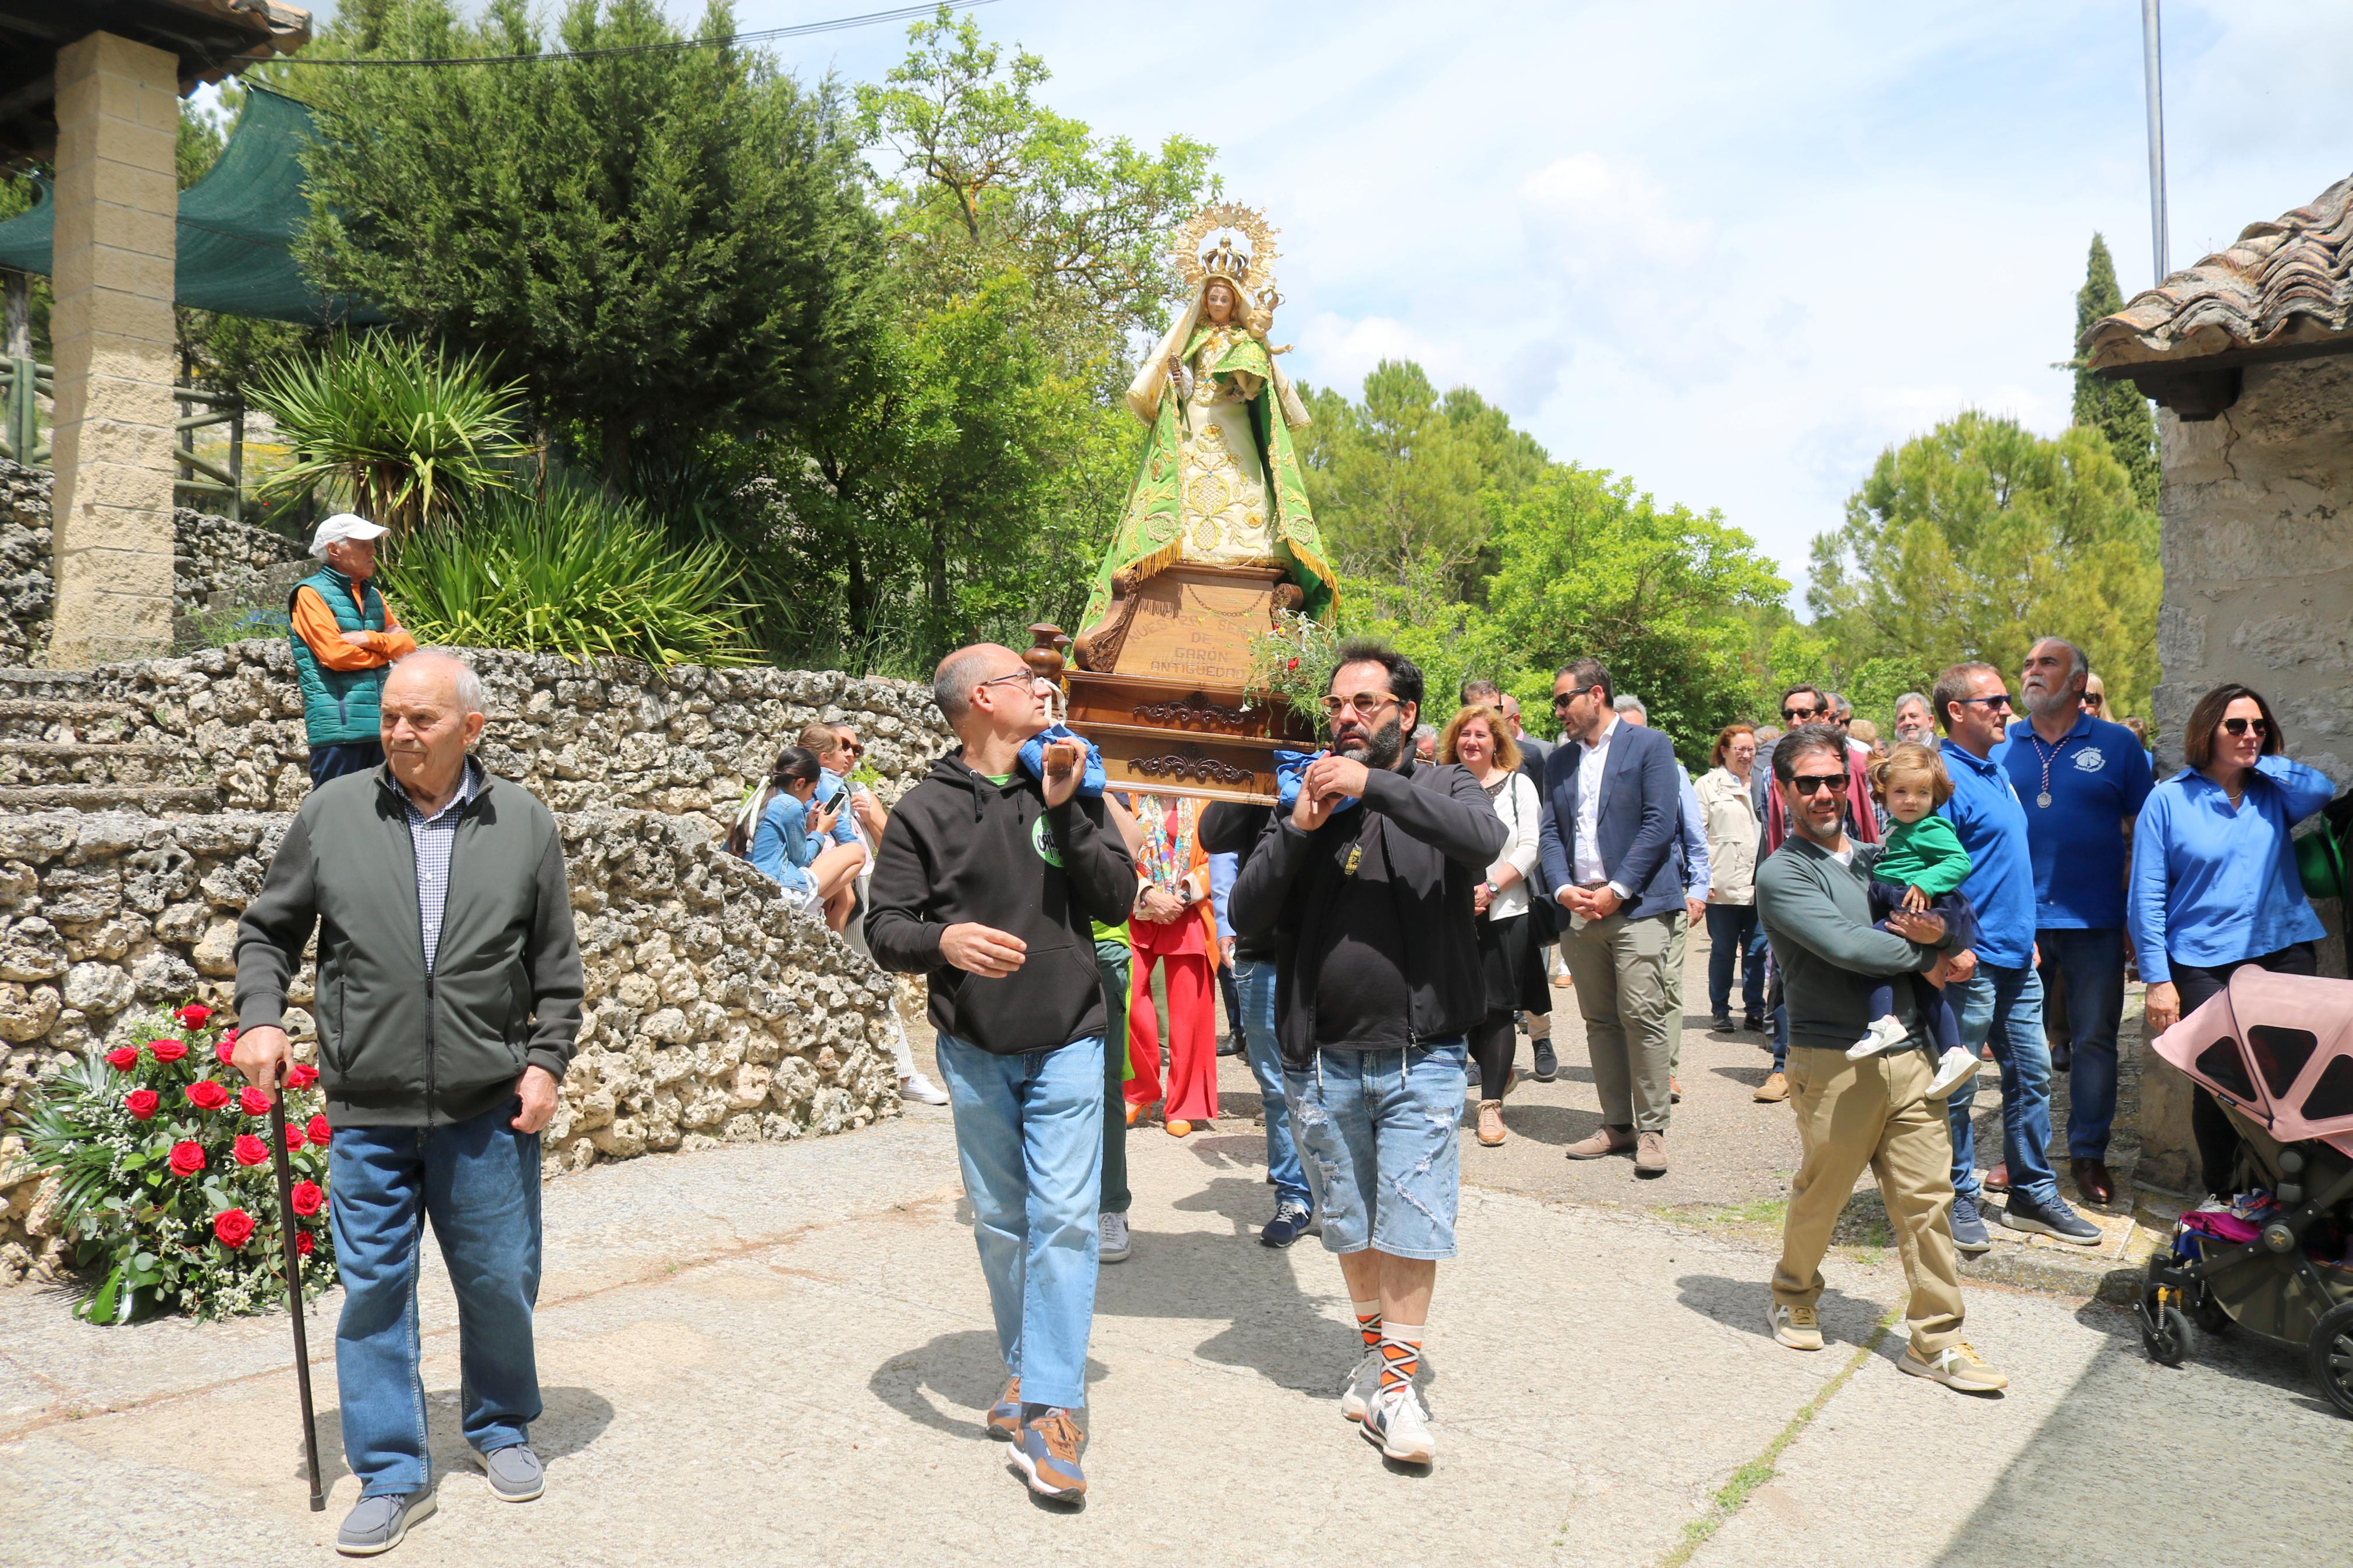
2277,1052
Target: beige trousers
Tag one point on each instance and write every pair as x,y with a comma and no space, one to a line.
1624,991
1676,947
1873,1113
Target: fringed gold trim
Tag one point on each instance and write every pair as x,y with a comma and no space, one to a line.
1144,566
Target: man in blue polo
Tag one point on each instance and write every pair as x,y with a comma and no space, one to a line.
344,639
2083,781
2001,1005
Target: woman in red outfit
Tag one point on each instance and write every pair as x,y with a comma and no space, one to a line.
1172,928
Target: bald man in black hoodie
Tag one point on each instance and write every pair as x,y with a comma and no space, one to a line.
988,881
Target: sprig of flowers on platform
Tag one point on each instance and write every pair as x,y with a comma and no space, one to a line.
1295,662
167,1185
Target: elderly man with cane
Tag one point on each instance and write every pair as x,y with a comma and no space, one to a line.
450,991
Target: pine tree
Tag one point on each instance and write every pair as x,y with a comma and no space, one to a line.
2114,408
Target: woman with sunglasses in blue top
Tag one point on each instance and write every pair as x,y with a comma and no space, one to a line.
2214,884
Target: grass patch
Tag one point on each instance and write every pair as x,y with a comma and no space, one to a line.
1735,1493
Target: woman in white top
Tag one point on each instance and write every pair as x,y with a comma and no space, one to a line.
1480,739
1728,810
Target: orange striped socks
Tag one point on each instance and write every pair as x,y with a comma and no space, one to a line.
1369,1324
1400,1354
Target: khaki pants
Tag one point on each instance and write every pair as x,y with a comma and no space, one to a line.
1873,1113
1624,991
1676,947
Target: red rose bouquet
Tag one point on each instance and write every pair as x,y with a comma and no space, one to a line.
167,1187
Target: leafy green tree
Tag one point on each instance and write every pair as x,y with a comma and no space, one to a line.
1396,479
1975,539
2114,408
660,243
1665,596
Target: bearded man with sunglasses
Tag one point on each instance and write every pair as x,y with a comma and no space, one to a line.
1364,884
2001,1005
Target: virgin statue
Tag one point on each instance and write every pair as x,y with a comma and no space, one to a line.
1219,483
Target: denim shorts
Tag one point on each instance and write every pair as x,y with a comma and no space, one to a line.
1377,1132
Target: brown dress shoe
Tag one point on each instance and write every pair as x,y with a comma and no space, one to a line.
2094,1180
1998,1179
1490,1122
1774,1090
1605,1141
1649,1154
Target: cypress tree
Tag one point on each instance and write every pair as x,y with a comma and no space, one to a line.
2114,408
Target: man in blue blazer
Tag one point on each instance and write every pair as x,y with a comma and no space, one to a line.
1611,857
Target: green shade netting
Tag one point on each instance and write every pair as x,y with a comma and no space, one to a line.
236,225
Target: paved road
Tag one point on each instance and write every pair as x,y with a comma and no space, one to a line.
780,1354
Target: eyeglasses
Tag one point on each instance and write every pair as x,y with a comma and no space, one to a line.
2094,700
1020,675
1800,715
853,749
1998,700
1811,784
2241,726
1563,699
1363,703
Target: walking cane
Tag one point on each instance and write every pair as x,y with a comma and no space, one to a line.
286,1233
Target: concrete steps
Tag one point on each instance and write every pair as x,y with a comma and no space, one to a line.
62,718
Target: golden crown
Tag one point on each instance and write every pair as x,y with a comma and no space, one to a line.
1231,241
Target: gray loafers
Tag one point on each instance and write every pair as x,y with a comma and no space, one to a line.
377,1523
515,1473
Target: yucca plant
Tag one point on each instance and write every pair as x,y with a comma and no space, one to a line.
572,572
396,431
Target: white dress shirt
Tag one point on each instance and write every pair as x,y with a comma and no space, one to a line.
1593,760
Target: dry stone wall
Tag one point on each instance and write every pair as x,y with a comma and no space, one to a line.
217,562
712,1015
580,736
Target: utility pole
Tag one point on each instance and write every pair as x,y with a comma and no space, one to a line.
2152,66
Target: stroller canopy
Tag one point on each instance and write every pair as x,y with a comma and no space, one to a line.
2279,1048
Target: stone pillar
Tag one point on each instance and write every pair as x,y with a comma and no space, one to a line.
117,207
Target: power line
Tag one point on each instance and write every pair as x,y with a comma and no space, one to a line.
838,23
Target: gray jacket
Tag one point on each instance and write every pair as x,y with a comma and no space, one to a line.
1817,914
399,1046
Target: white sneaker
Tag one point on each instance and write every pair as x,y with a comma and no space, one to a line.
1954,1069
1397,1422
1885,1035
918,1087
1357,1397
1112,1244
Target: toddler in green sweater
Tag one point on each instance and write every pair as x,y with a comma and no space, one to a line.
1920,870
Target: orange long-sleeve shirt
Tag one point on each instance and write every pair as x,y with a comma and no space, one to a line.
314,622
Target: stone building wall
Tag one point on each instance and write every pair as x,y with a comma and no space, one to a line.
580,737
712,1012
2257,513
217,562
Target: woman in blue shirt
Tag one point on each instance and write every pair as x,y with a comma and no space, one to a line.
786,842
2214,885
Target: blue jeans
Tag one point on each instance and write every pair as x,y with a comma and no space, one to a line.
348,757
478,1181
1254,977
2003,1007
1029,1138
1780,1022
1379,1131
1732,930
2087,969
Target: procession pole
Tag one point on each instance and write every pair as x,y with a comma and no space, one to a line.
286,1232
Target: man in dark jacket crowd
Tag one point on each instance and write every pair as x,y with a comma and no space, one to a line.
447,1001
1365,884
989,879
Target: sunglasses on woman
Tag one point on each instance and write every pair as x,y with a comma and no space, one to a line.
2241,726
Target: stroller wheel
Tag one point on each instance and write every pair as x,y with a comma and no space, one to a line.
2332,1355
2166,1334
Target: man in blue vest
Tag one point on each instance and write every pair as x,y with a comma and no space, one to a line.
344,642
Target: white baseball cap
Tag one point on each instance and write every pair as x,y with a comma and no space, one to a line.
341,526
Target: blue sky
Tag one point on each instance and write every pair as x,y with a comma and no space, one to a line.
1733,249
1730,249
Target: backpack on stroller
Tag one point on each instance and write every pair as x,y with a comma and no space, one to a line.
2276,1051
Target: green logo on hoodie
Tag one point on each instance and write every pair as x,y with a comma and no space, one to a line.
1047,849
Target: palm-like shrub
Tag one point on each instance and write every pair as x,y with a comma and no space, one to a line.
572,572
396,431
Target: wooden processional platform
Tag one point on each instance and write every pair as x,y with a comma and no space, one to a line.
1174,713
